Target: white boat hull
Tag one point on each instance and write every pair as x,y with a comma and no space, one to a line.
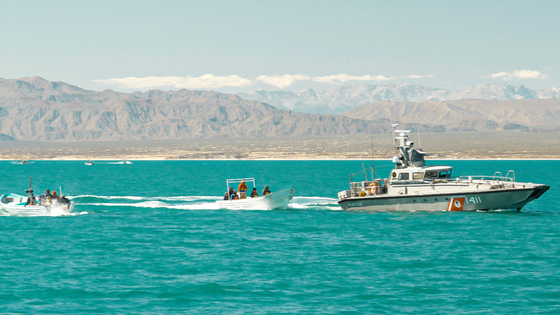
276,200
17,207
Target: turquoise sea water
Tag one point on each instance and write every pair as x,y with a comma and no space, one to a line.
148,238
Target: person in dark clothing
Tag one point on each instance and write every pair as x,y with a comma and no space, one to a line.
226,197
31,199
45,198
234,196
64,200
266,191
47,194
254,193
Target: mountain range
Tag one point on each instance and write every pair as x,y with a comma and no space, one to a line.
466,115
37,109
41,110
340,99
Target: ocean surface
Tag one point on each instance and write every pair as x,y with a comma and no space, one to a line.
149,238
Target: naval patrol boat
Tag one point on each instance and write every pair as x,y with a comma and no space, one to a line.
413,186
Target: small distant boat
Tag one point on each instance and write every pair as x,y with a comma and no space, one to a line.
89,163
22,162
17,205
276,200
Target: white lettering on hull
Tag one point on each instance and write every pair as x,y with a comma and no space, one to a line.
473,200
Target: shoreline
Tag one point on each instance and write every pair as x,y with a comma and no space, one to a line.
273,159
440,146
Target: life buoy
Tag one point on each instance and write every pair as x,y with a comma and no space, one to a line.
373,188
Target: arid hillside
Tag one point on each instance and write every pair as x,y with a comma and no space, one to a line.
36,109
467,115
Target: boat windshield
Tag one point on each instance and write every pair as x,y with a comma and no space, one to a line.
404,176
445,174
431,174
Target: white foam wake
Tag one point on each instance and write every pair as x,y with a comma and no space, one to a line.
198,202
157,204
52,213
314,203
138,198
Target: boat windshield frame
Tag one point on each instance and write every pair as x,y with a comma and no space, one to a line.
239,180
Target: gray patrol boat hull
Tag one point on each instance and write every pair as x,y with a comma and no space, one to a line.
499,199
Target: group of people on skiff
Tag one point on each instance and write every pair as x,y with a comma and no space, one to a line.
46,199
242,194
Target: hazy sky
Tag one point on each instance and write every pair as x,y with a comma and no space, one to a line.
236,46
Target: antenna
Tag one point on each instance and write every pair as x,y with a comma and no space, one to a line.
372,156
394,140
419,143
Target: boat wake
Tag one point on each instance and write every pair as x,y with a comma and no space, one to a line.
91,202
55,212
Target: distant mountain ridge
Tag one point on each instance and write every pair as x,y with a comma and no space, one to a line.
41,110
337,100
37,109
466,115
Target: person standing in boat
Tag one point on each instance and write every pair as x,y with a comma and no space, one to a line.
242,190
254,193
54,195
65,202
266,191
47,194
31,199
46,198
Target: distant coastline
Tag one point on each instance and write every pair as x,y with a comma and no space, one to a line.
442,146
280,159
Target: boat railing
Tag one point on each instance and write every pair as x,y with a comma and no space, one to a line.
493,178
368,188
495,181
236,181
512,175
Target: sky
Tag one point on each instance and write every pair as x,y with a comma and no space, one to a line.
240,46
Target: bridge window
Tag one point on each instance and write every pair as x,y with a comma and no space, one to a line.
431,174
403,176
445,174
418,175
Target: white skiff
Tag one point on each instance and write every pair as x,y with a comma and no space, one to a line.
16,205
276,200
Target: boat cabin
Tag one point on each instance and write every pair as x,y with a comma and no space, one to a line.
419,174
410,169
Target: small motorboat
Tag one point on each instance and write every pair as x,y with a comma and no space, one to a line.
89,163
276,200
17,205
22,162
